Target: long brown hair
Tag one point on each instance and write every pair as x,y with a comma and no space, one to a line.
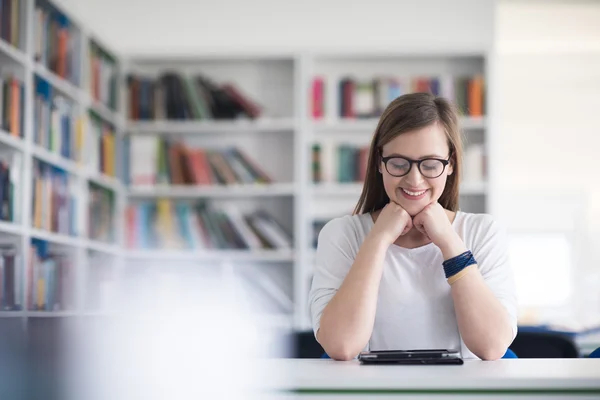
407,113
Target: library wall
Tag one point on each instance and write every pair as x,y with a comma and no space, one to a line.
546,138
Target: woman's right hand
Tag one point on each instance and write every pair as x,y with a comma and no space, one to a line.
393,221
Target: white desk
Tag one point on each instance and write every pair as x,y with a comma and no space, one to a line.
526,378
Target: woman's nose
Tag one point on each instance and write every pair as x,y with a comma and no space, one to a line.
414,177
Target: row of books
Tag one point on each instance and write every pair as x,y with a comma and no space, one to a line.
57,42
51,279
54,200
101,146
57,126
103,74
177,97
342,163
101,209
12,104
11,17
367,98
155,160
180,225
10,177
11,278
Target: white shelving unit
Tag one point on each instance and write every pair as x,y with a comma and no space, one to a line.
220,191
281,141
22,63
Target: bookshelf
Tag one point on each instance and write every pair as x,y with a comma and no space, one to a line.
279,140
54,135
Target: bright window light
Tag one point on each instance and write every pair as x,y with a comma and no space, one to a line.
542,265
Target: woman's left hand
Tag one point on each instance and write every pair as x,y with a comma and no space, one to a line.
434,223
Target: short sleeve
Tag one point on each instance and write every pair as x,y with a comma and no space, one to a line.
490,249
337,247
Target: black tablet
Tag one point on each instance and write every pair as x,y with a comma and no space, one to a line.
412,357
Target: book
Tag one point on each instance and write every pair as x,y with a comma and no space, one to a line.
167,224
103,76
54,200
11,278
173,96
56,123
101,211
156,160
12,104
57,42
368,98
51,278
343,163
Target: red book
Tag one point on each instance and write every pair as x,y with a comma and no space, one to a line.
349,88
318,91
201,169
130,216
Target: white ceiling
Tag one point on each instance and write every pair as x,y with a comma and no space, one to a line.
161,27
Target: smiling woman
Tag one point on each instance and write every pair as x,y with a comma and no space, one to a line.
408,270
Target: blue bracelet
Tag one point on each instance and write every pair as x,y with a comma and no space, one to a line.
456,264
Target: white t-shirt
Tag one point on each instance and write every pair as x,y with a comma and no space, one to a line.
415,309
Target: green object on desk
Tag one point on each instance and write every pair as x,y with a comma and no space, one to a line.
554,392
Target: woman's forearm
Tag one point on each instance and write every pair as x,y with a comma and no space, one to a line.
347,321
483,322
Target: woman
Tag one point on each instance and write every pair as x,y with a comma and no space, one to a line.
407,270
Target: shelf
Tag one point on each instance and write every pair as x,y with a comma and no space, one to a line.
108,182
15,54
57,160
368,125
212,255
102,247
11,141
60,84
56,238
337,189
11,228
242,191
37,314
104,112
12,314
210,126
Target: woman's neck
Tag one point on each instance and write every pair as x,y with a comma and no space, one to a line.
412,239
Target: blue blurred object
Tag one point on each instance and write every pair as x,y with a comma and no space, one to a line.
509,354
550,329
595,353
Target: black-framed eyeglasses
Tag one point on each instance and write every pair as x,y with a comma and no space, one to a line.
429,167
